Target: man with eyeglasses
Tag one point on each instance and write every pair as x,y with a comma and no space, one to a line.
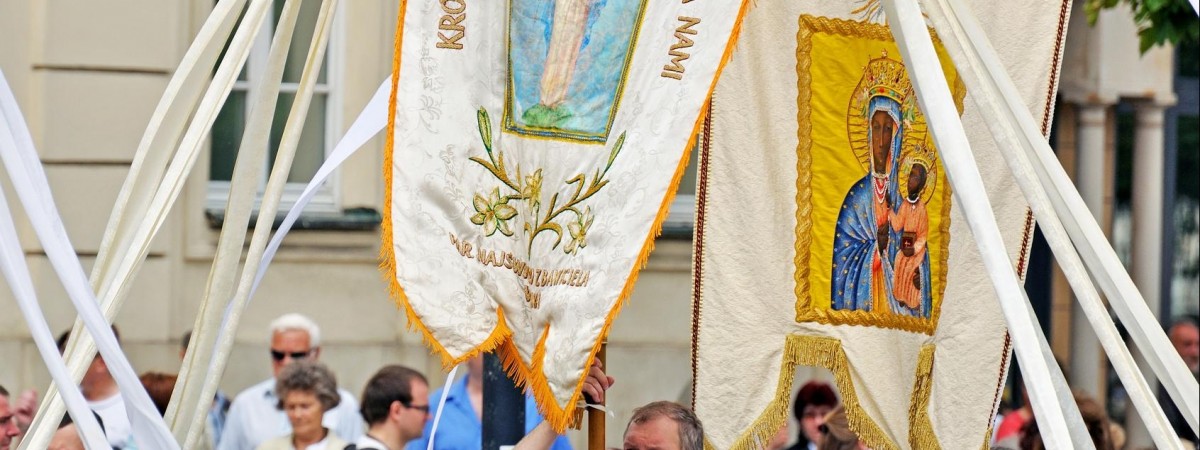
255,417
395,408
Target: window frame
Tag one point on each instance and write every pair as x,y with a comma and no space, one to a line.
327,199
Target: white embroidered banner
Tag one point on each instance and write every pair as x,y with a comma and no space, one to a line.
828,234
534,149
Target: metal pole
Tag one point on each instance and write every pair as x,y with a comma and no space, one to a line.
503,406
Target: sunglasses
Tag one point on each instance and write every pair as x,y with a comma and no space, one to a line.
278,355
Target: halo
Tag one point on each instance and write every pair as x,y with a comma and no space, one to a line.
922,152
882,77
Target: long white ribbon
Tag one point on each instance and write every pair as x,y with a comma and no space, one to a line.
370,122
142,203
988,88
188,406
1107,270
437,415
12,263
29,180
916,47
225,325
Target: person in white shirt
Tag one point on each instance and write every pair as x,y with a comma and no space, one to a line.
254,417
104,398
395,405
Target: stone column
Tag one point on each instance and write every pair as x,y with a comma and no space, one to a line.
1147,243
1091,178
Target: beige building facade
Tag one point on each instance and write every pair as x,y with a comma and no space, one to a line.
89,74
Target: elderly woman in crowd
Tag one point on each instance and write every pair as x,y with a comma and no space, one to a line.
306,390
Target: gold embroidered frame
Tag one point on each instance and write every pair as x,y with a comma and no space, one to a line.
806,311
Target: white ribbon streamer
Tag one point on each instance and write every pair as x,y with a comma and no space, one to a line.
12,263
131,241
370,121
279,173
916,47
988,88
437,416
29,180
188,399
1107,270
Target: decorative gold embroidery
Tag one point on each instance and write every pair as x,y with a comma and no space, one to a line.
675,69
827,352
920,427
455,12
493,211
882,77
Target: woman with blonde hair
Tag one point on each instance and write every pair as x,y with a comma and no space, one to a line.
306,389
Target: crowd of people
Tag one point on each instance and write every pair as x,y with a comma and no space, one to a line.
301,407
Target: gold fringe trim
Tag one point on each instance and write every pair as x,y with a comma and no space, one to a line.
820,352
828,353
920,427
531,377
805,311
387,256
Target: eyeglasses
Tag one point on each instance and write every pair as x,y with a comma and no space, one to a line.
422,408
278,355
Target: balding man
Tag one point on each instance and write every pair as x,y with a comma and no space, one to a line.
664,426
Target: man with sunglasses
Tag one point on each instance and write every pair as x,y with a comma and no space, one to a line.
255,417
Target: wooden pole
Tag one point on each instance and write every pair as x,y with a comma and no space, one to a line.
596,416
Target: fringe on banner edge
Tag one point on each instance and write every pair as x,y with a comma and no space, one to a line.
530,377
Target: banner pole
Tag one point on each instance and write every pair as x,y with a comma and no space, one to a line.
596,416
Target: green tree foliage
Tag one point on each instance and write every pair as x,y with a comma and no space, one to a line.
1158,21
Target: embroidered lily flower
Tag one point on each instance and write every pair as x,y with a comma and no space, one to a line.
532,190
578,230
493,213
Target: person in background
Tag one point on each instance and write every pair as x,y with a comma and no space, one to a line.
159,385
395,407
836,433
255,417
104,397
595,386
663,426
813,402
1094,418
215,423
67,436
1184,333
307,390
8,421
461,426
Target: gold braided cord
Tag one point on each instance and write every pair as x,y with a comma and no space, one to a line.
803,168
920,427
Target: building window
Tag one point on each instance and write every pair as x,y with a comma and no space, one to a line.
320,128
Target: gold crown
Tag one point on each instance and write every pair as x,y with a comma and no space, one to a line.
885,77
924,155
